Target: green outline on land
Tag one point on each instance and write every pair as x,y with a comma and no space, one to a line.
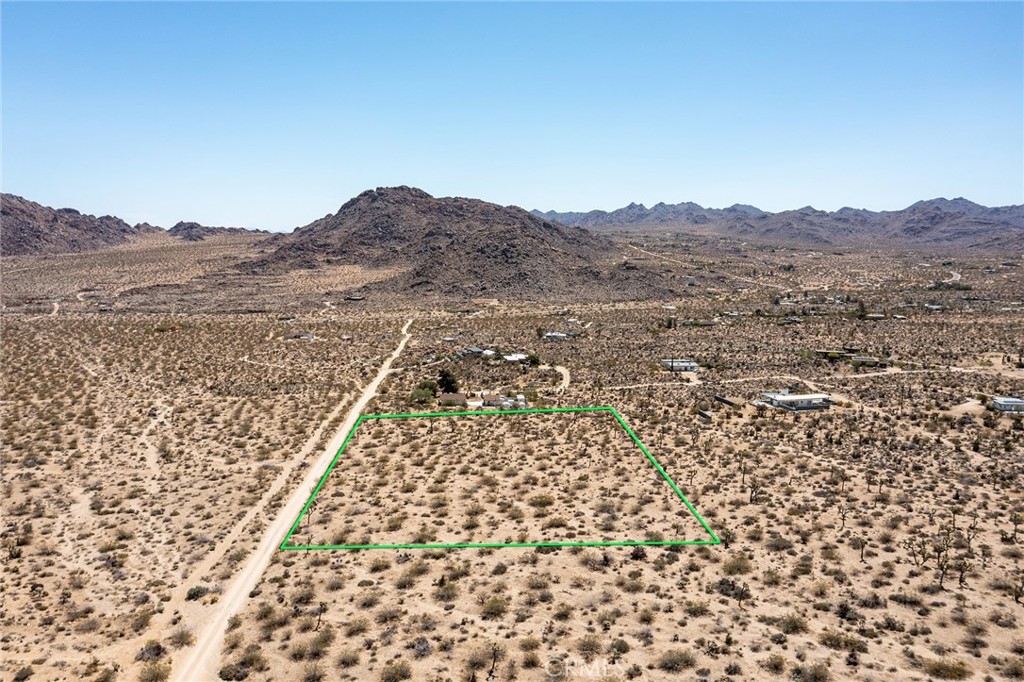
464,545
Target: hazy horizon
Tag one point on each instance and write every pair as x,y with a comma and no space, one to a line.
270,115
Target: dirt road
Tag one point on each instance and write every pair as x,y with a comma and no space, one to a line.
201,662
564,371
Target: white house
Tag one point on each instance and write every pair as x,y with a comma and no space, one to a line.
680,365
798,401
555,336
1005,404
514,357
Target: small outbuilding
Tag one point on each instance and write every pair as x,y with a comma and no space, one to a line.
680,365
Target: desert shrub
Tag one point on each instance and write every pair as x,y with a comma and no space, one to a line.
736,565
792,624
675,660
529,644
834,639
538,582
776,663
182,637
23,674
891,624
777,543
589,647
541,501
356,627
196,592
1014,669
396,671
947,670
348,658
494,608
389,615
253,658
155,672
447,592
233,672
319,644
816,672
152,650
619,647
140,621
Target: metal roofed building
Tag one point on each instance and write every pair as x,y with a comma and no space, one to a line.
680,365
797,402
1006,404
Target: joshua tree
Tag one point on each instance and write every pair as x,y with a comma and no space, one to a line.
320,615
843,512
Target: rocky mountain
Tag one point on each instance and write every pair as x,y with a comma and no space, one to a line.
453,246
956,223
29,228
194,232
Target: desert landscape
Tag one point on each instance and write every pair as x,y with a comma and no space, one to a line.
511,341
170,408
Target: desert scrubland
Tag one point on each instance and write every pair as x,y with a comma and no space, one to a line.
147,445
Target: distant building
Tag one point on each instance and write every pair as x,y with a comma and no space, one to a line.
514,357
680,365
452,399
302,336
1011,405
798,402
555,336
510,403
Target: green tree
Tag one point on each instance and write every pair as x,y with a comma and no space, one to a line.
447,382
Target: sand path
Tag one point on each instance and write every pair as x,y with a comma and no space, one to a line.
200,662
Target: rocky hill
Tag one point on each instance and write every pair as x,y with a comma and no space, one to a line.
28,228
935,223
194,232
454,246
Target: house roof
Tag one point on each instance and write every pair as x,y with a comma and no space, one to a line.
795,397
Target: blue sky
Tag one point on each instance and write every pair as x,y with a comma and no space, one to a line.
273,114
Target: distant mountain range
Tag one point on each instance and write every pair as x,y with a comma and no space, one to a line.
28,228
498,247
955,223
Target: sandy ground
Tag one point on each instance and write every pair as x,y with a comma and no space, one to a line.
202,661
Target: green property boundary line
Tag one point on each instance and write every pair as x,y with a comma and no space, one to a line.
462,545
